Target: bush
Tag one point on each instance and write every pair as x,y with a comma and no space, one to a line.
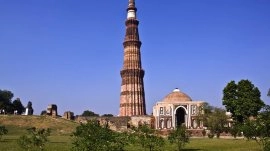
204,132
147,138
3,131
180,136
93,136
210,135
34,140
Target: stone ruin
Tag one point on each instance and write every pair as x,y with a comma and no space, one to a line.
52,110
68,115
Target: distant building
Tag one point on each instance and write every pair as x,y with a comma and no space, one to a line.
176,109
68,115
52,110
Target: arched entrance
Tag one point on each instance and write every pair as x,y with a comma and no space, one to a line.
180,116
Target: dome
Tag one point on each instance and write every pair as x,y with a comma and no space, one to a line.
177,96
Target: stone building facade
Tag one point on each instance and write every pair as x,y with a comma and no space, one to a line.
176,109
132,98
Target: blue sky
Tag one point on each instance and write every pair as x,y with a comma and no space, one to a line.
70,52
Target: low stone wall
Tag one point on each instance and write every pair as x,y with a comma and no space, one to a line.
140,120
115,123
119,123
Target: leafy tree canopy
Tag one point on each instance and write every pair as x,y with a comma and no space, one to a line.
213,118
89,113
242,100
30,108
5,100
216,121
93,136
43,112
17,105
259,129
29,105
34,140
6,96
147,138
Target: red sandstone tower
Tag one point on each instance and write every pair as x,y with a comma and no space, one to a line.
132,99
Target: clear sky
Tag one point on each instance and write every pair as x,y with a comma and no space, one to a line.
70,52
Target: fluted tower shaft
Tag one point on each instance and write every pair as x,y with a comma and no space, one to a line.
132,98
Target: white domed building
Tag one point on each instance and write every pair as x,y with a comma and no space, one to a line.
177,108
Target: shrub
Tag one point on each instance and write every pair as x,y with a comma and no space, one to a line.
93,136
3,131
180,136
34,140
210,135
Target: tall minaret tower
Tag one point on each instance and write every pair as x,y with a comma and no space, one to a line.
132,99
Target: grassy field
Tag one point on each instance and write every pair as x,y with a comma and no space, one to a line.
17,124
63,143
60,139
206,144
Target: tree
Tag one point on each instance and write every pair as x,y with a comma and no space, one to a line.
34,140
89,113
242,100
259,129
235,129
216,121
3,131
147,138
5,100
30,108
17,105
43,112
268,94
204,111
179,136
93,136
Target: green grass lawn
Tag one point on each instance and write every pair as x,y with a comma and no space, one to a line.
64,143
56,143
206,144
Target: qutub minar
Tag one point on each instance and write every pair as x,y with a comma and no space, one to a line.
175,109
132,98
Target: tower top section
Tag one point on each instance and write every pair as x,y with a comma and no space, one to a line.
131,10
